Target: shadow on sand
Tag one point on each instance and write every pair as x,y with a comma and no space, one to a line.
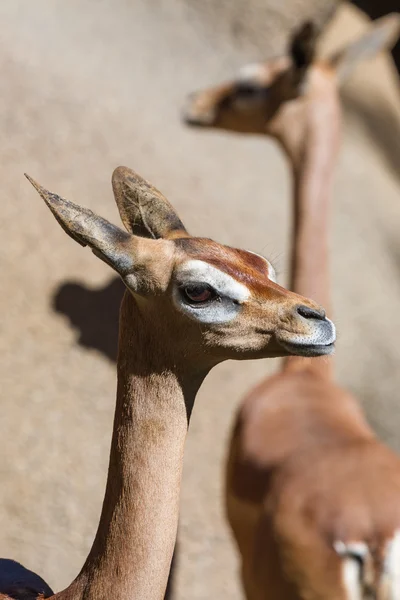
94,313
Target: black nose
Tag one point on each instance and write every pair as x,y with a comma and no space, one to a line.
310,313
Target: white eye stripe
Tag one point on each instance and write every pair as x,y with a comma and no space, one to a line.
250,72
224,284
210,314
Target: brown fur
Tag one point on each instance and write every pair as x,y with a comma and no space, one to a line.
305,470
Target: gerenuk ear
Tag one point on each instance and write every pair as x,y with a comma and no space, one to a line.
110,243
302,49
144,210
382,34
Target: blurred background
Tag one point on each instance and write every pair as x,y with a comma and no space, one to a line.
87,85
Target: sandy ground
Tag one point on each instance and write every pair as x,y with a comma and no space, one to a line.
86,86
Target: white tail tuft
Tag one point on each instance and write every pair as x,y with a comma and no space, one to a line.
356,570
390,579
360,580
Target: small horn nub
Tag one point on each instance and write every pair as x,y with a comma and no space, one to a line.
303,45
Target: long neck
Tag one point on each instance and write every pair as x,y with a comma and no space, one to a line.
313,169
132,551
